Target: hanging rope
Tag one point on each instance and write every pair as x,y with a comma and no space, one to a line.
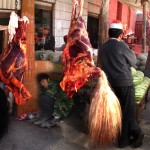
16,3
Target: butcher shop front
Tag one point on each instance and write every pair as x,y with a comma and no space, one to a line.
56,15
28,8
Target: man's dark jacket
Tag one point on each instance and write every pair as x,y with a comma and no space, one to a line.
117,58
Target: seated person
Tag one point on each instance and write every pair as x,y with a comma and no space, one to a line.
49,40
39,41
53,103
64,45
4,114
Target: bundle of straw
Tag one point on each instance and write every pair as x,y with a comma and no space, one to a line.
104,114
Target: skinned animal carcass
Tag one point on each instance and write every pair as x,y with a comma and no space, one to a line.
77,56
13,61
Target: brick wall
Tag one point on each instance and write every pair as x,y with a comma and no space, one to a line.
61,19
62,15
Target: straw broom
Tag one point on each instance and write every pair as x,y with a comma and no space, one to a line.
104,114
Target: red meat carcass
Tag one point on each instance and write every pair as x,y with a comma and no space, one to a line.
77,56
13,62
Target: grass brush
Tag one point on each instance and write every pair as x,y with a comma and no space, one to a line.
104,114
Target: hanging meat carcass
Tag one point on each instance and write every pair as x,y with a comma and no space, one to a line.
77,58
13,61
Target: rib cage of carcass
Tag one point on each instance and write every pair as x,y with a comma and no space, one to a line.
77,56
13,61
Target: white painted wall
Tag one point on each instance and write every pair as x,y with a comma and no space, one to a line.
62,16
9,4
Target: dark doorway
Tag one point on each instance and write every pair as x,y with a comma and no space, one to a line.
92,28
1,41
4,20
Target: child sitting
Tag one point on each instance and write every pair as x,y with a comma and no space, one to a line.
53,102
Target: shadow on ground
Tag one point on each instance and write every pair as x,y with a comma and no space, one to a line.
69,134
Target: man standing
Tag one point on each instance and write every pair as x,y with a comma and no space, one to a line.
117,59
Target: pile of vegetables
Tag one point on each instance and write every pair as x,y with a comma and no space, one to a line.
141,83
141,61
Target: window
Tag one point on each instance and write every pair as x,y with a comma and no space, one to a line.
43,17
4,21
92,28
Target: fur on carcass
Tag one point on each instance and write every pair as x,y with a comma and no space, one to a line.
13,61
77,58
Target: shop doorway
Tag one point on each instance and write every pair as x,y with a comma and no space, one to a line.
92,28
1,41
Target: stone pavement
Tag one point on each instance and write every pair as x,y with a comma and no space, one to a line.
67,135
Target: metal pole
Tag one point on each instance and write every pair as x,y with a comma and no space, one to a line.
144,30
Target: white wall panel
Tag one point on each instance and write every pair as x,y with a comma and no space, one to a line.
9,4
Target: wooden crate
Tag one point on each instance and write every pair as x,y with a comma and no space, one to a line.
141,104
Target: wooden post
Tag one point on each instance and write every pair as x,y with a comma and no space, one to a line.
103,22
144,29
147,66
29,77
5,39
34,67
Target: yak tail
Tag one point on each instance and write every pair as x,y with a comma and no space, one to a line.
104,114
4,114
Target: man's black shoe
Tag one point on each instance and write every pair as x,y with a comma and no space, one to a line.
122,145
139,141
131,141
